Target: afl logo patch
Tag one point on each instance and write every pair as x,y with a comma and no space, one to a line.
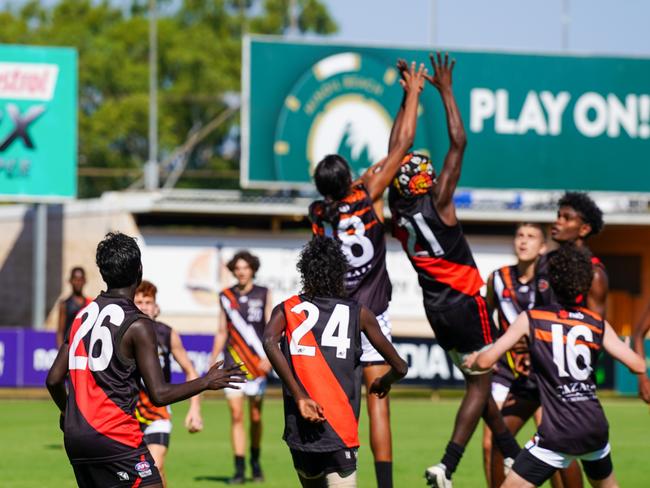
543,285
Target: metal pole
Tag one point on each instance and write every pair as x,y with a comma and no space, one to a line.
293,18
151,174
39,271
565,20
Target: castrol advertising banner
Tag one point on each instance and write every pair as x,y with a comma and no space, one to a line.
531,119
38,123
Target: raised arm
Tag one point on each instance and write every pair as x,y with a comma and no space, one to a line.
450,174
398,367
139,343
486,359
193,419
402,67
621,351
273,333
378,176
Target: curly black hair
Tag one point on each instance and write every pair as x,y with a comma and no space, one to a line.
119,261
586,207
570,273
322,266
252,260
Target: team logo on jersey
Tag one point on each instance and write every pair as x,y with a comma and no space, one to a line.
123,475
143,469
543,285
341,105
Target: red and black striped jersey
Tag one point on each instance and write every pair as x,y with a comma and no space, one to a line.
543,292
564,346
245,321
145,411
511,297
439,252
103,385
322,344
363,241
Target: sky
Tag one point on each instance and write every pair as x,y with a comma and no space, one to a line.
609,27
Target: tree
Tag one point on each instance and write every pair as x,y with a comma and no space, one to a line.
199,60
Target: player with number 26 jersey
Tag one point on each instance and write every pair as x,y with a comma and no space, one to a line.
104,387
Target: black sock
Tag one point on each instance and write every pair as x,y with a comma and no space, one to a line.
255,456
507,444
384,473
452,456
240,465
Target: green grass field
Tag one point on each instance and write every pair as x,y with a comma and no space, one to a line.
32,455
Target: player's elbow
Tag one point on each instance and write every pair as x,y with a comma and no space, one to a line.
269,343
459,140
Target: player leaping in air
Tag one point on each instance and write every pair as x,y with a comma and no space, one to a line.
352,213
424,219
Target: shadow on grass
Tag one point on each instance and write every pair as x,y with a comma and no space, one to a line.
216,479
54,447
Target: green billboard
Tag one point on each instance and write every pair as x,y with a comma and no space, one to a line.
38,123
532,121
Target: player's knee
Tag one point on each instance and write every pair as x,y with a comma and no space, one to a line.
256,416
237,416
344,480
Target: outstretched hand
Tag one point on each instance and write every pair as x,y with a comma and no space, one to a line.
310,410
442,70
412,80
223,378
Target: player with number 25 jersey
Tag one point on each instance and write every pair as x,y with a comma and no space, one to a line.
565,341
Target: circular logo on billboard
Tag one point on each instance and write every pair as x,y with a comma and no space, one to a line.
342,105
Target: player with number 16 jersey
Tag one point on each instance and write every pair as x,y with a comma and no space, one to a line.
565,341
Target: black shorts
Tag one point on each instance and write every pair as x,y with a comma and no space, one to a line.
161,438
525,388
464,327
313,464
125,472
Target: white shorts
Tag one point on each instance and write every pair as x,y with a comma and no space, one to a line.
499,392
368,353
561,460
252,388
162,426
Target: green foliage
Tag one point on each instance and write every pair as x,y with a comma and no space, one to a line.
199,60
